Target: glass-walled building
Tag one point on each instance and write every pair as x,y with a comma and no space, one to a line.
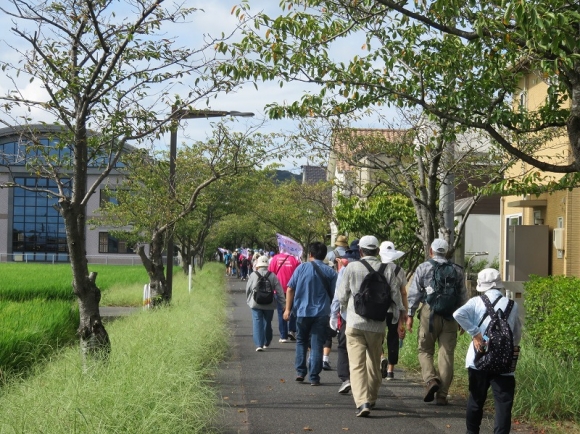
31,227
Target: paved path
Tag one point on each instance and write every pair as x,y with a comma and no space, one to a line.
259,394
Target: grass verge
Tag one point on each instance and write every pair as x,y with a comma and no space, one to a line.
158,379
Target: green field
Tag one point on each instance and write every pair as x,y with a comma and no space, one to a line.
159,378
39,313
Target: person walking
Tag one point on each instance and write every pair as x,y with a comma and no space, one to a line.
437,325
310,291
364,335
473,317
388,255
283,265
340,247
338,321
261,304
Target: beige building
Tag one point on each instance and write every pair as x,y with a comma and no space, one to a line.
552,247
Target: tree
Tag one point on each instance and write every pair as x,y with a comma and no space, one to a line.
410,162
107,74
387,216
458,61
146,204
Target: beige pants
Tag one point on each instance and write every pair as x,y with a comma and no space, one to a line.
364,359
445,335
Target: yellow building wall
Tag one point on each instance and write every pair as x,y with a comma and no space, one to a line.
565,204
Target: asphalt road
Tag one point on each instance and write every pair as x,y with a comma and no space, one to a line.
259,394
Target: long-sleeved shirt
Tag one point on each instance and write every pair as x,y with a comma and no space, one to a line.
252,284
417,293
470,314
350,284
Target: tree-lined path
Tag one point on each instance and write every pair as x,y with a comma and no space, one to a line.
259,394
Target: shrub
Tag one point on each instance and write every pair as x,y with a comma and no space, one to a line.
552,321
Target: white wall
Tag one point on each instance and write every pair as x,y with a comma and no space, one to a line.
482,234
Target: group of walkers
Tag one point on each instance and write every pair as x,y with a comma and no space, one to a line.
358,293
241,262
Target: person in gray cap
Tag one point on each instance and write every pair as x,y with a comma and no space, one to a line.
436,325
364,335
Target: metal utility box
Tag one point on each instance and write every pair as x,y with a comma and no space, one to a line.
527,251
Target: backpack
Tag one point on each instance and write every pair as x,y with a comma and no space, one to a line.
497,359
445,283
264,292
374,297
245,262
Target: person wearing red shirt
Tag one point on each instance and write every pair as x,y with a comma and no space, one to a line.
283,266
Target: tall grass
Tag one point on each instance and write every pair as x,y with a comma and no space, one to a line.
33,329
547,387
158,379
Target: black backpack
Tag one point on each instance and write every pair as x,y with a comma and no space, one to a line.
264,292
497,358
374,297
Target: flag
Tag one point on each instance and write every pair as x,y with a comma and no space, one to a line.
289,245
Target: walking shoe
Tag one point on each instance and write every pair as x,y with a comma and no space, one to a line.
441,400
292,336
390,375
344,387
326,366
299,378
364,410
259,349
315,383
384,367
282,341
432,388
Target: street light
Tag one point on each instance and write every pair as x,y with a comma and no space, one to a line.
177,116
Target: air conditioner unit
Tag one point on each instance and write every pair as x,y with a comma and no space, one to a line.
558,238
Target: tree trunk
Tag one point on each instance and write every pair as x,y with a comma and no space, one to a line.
155,269
94,339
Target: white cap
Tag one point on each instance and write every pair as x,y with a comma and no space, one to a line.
439,246
368,242
488,278
262,262
388,253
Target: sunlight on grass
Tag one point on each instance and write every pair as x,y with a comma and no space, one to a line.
158,379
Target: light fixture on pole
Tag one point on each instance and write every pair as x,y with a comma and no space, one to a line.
177,116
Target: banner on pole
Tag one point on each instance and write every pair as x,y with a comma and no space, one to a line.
289,245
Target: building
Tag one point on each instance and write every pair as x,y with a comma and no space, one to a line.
540,234
31,228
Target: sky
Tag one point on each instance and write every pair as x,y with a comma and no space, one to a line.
215,18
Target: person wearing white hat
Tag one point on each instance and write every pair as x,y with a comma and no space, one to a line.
262,314
473,318
434,327
388,255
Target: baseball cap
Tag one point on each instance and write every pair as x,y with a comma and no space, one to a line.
488,278
369,242
439,246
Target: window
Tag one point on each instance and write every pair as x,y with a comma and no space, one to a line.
109,244
38,229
